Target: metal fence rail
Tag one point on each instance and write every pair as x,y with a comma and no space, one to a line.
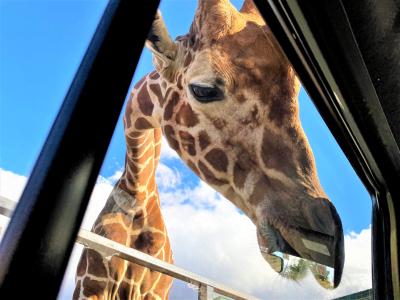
107,247
110,248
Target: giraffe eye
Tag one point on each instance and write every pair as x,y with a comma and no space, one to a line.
205,93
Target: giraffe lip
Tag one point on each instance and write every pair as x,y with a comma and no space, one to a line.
307,243
271,240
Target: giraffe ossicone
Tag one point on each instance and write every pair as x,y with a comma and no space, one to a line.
225,97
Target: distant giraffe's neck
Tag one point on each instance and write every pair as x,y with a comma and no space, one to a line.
132,215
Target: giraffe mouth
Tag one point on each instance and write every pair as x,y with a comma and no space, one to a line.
306,243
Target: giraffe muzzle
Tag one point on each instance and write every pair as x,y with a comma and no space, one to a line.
316,244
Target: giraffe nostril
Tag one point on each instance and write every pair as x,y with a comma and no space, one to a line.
318,214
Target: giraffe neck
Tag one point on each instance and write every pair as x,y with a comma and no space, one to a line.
136,195
131,216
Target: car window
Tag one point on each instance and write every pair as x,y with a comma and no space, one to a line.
210,230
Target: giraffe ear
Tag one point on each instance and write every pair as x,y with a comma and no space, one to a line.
160,44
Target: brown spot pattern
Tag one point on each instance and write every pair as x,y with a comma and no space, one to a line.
219,123
155,88
138,215
209,176
142,123
93,287
282,105
144,240
188,59
81,270
124,290
96,265
129,274
188,142
218,159
128,112
275,153
179,82
261,188
241,98
143,98
115,232
186,116
279,110
172,102
204,140
240,175
77,291
157,242
154,75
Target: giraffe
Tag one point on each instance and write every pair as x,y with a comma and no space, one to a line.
225,97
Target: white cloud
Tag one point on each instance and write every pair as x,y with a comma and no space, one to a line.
200,197
166,177
210,237
11,184
114,178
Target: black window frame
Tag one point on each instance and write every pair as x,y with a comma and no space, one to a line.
38,242
42,231
318,39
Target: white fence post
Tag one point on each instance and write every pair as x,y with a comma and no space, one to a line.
206,292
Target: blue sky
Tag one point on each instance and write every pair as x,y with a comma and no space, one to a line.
41,46
42,43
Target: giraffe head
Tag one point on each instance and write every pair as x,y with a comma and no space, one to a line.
231,112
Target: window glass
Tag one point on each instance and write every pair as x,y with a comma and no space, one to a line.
208,234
